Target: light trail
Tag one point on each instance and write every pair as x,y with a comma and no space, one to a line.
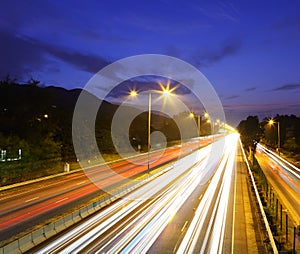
279,160
213,238
83,235
283,178
133,224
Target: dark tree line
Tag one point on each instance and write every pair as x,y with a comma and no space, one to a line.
38,120
282,131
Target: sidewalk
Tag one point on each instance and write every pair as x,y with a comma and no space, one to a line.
247,228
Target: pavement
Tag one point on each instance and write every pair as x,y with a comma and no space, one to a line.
247,235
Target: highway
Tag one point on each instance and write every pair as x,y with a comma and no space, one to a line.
284,178
135,224
26,206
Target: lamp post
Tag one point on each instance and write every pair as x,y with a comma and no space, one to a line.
149,129
212,123
165,92
192,115
272,122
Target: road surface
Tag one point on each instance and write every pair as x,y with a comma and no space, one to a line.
284,178
193,208
24,207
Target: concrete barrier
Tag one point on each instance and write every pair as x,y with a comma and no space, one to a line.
90,209
38,236
83,212
68,220
49,230
26,243
12,248
59,225
76,216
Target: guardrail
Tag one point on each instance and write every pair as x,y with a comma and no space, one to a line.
270,235
40,235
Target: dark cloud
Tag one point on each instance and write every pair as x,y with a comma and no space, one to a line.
227,49
287,87
87,62
20,56
250,89
290,22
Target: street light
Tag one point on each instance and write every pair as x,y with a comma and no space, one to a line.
272,122
209,120
133,93
192,115
166,91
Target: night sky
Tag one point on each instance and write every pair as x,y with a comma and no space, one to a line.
248,50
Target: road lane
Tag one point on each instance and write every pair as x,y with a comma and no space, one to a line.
136,228
28,205
138,197
284,178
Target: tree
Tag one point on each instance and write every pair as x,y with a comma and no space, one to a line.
250,131
291,145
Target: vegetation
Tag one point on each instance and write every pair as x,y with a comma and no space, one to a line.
38,120
252,131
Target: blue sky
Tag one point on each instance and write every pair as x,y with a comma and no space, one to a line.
248,50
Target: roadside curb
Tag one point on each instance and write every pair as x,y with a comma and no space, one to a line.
270,235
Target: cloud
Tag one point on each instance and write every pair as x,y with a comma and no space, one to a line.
289,22
87,62
287,87
236,113
23,55
229,48
250,89
18,56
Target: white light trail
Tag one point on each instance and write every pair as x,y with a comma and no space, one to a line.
279,160
213,240
78,238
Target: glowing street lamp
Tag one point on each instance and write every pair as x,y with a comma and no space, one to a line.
272,122
166,91
133,93
212,123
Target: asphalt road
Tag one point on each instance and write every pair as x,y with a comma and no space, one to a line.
192,208
26,206
284,178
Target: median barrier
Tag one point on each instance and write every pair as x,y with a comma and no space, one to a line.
90,209
26,243
12,248
49,230
83,212
38,236
59,225
68,220
76,216
100,204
